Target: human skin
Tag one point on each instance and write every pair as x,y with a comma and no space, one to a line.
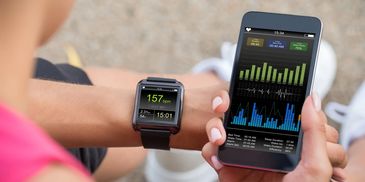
101,116
24,27
97,109
105,110
355,169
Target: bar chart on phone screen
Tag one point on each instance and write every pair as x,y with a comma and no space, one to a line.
270,96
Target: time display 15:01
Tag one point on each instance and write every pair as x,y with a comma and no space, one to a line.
164,115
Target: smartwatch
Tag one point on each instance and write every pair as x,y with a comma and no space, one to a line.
157,111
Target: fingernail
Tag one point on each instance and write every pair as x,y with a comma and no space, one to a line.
215,134
316,101
217,165
216,102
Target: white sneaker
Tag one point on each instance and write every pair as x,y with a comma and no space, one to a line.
325,75
326,69
221,66
178,166
352,117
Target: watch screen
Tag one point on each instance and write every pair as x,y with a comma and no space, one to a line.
269,90
157,104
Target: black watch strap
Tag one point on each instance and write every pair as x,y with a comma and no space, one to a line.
155,139
157,79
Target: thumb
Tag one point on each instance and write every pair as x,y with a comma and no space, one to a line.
314,150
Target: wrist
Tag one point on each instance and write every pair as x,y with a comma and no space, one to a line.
197,110
192,131
121,132
357,147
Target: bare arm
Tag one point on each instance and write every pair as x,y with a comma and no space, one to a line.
356,166
100,115
57,172
23,28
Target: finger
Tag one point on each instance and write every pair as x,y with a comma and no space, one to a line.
220,103
337,155
323,116
314,152
331,134
339,174
209,153
215,131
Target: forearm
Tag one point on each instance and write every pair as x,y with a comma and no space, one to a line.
356,162
200,89
78,115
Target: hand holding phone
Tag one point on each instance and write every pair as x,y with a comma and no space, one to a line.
316,165
272,75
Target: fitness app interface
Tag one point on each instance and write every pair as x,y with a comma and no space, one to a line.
157,104
269,90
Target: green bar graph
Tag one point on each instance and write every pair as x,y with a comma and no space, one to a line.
258,74
274,75
279,77
291,77
286,70
241,75
263,72
267,73
247,74
252,72
296,77
302,74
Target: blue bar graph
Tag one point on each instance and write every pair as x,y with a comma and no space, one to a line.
257,120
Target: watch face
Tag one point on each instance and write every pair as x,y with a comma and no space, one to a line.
157,104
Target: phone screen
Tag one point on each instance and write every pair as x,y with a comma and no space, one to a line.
269,90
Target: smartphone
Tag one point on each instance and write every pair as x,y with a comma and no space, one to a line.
272,75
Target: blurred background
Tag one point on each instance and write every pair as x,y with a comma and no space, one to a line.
164,36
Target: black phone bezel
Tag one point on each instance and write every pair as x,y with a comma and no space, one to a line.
266,160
